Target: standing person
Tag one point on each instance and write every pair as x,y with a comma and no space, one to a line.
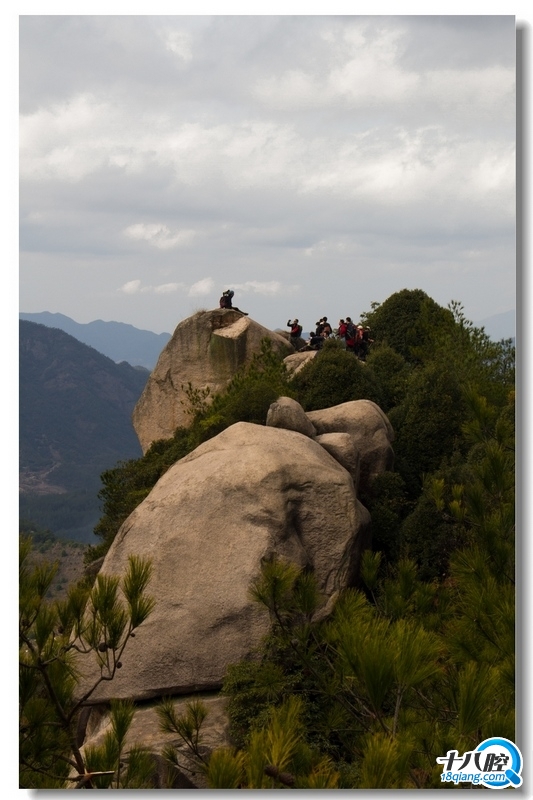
366,341
319,327
341,332
295,332
358,340
350,335
326,328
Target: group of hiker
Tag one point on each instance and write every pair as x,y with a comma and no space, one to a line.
356,338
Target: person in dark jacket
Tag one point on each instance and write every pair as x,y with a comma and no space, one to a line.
295,332
366,341
226,301
326,328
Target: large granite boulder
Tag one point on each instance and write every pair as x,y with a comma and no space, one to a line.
206,350
289,414
370,429
249,494
343,449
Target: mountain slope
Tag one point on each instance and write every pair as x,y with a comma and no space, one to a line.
116,340
75,422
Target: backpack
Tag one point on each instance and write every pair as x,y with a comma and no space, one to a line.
349,336
297,331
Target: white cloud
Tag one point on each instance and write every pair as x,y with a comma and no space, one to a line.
159,235
178,42
265,287
55,141
135,287
167,288
205,286
324,246
131,287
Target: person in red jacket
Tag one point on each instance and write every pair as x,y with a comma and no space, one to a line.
295,332
351,335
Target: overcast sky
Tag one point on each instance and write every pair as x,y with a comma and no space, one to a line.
314,164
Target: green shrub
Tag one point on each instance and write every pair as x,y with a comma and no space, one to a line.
335,376
406,321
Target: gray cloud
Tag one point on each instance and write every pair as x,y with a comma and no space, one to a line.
303,160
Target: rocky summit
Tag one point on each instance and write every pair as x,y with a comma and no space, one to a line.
286,490
206,350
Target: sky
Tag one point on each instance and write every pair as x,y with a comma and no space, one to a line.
314,164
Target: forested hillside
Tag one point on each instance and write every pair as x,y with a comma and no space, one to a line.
75,422
418,658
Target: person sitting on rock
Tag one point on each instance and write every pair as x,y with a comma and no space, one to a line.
226,301
315,342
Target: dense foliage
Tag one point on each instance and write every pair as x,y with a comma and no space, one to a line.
419,659
57,640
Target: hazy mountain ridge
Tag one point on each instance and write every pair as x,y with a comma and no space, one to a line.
117,340
75,422
122,342
500,326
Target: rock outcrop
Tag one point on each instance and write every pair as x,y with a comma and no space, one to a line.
205,350
370,430
249,494
288,414
297,361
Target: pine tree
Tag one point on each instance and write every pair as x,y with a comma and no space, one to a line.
94,624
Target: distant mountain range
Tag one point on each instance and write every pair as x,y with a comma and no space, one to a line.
116,340
75,422
122,342
500,326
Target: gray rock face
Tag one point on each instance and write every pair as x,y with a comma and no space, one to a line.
343,449
248,494
205,350
289,414
370,430
297,361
